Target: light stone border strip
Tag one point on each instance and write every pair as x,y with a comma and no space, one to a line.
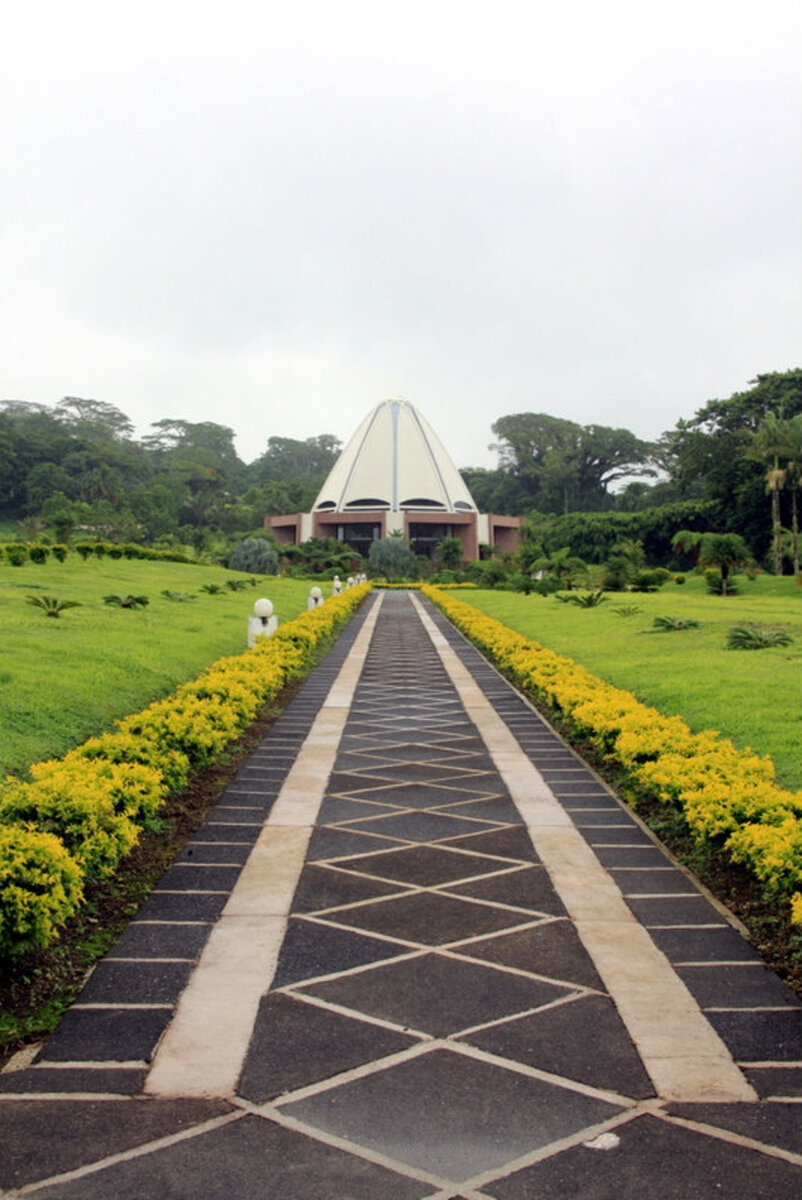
203,1048
682,1053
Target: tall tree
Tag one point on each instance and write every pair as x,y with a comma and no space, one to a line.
563,466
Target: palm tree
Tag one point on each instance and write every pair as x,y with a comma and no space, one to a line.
767,446
727,551
792,453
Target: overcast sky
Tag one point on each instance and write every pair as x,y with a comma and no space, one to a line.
273,217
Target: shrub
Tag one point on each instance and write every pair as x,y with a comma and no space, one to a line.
78,811
51,605
38,553
255,555
749,637
60,551
121,747
16,553
585,599
40,889
85,549
128,601
672,624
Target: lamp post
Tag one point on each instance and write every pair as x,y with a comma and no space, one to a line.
263,623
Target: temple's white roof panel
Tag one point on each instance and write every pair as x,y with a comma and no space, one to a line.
394,460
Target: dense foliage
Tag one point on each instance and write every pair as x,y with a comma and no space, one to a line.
735,467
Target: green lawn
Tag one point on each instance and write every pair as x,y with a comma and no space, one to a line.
751,696
64,679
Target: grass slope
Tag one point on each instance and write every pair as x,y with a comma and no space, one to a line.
753,697
65,679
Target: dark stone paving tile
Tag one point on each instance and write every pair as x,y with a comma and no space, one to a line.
417,752
430,772
552,949
247,1159
425,796
217,852
106,1035
583,789
194,878
295,1044
428,918
345,782
704,945
39,1138
141,982
256,803
437,994
121,1081
141,940
775,1081
592,821
499,809
756,1037
630,856
675,910
424,866
325,887
183,906
628,833
329,842
506,843
232,815
451,1115
529,887
310,949
665,881
418,826
585,1040
773,1124
743,986
332,812
658,1160
576,802
237,835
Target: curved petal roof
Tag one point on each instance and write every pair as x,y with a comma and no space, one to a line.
394,461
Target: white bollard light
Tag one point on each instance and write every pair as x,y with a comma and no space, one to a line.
263,623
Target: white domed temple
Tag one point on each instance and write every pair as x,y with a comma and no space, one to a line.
394,475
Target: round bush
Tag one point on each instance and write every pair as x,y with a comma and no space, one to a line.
40,889
256,556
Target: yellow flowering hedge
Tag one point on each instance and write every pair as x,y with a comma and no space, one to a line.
728,797
75,818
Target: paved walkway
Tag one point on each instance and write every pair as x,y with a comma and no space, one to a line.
418,950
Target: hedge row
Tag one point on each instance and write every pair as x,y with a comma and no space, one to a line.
18,553
727,797
75,818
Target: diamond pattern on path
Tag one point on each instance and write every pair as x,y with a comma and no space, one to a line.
438,994
451,1115
427,918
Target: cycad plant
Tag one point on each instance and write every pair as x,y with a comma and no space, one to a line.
51,606
586,599
672,624
128,601
750,637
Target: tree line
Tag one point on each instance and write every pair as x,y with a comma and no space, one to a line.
76,467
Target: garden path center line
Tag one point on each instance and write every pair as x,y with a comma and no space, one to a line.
684,1056
202,1051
